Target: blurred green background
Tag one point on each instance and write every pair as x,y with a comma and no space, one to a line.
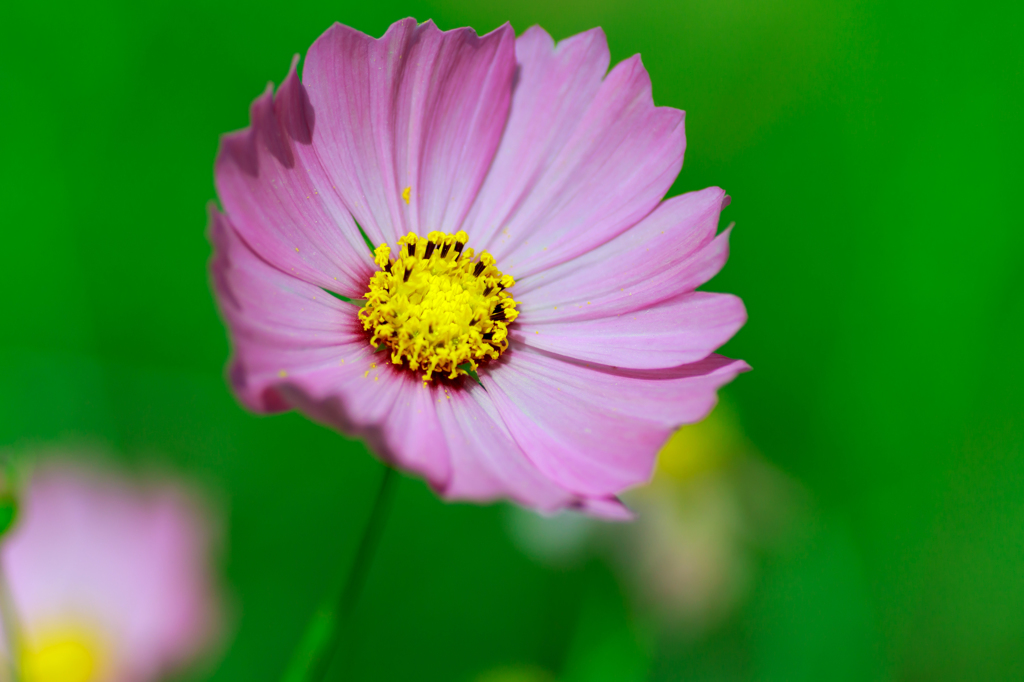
874,154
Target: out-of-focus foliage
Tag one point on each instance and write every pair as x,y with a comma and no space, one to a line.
873,152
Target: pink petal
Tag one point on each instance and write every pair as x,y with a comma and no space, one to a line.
607,508
388,407
593,429
270,181
672,251
593,172
683,330
539,124
487,464
296,346
418,108
280,326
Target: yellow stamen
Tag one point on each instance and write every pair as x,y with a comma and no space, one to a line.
436,307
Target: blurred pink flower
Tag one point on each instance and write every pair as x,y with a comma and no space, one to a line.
579,314
110,581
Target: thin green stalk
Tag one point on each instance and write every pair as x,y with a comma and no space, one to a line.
325,634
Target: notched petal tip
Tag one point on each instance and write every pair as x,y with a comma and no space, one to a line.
274,121
269,128
467,32
240,148
633,69
409,23
293,108
505,30
537,32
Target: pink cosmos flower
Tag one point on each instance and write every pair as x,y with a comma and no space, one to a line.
531,328
109,580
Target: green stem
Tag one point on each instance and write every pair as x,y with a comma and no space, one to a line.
325,635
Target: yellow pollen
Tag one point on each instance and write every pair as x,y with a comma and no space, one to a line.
406,193
436,307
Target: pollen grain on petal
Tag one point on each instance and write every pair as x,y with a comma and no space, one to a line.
406,194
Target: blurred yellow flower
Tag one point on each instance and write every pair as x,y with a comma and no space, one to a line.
697,448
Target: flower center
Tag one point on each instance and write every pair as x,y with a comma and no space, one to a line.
72,655
436,307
